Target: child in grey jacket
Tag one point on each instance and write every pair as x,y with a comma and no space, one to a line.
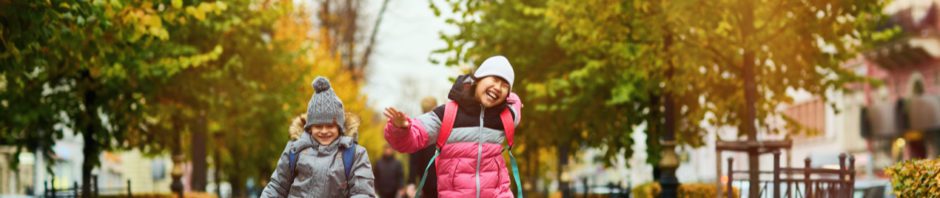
314,164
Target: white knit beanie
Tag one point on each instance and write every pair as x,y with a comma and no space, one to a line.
496,66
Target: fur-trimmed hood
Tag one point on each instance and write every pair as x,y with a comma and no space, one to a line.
296,128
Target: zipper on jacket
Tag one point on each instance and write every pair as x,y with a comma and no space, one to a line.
479,148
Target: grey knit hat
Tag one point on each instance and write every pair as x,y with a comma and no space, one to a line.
325,107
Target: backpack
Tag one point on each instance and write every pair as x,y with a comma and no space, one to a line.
450,113
349,154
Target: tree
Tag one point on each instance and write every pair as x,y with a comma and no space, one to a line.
239,96
341,19
752,52
249,118
661,64
88,67
168,76
558,87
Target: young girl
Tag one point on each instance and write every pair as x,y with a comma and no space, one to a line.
470,163
324,160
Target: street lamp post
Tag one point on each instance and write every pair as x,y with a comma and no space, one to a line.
670,161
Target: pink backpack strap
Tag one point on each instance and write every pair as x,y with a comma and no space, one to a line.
450,113
509,126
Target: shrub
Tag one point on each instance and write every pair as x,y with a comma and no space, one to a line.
915,178
686,190
702,190
647,190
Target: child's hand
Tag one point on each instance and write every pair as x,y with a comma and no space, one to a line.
397,118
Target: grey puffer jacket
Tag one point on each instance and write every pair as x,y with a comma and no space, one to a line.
320,171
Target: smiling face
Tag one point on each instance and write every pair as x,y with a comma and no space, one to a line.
324,133
491,91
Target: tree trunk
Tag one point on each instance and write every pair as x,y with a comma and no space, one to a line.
237,181
238,184
750,96
90,147
562,163
217,164
749,117
198,145
748,121
90,158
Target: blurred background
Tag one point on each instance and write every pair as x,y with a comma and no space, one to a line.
622,98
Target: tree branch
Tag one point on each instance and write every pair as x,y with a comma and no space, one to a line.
717,54
364,61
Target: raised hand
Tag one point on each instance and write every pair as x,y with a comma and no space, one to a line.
397,118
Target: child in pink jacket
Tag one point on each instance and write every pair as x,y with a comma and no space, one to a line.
470,164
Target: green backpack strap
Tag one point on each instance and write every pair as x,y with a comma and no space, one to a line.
509,127
425,175
515,172
450,113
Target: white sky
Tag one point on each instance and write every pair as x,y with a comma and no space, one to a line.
400,74
920,5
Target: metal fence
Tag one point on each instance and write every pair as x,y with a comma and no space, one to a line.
75,190
805,182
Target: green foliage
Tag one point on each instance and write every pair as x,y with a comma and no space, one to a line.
915,178
592,72
166,76
148,75
789,45
88,67
244,102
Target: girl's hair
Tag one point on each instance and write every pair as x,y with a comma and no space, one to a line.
472,88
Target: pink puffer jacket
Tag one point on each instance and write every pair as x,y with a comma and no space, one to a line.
470,164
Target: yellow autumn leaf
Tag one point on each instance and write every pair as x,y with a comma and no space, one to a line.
220,6
197,13
177,4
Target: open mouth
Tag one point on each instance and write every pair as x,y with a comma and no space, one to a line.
492,94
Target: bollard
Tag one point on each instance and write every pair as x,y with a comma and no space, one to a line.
851,181
776,174
807,183
730,178
75,189
94,185
842,176
129,194
53,187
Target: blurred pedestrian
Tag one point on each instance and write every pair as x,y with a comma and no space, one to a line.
419,160
389,174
